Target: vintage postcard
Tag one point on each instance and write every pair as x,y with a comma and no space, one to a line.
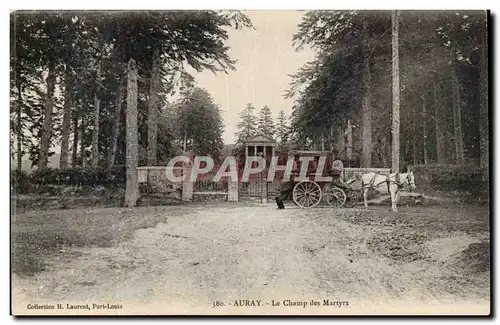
206,162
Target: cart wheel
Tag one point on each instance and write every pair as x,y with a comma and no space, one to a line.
307,194
335,197
352,199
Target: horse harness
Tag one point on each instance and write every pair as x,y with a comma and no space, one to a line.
371,184
396,181
387,180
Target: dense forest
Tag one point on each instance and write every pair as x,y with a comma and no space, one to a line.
79,78
346,92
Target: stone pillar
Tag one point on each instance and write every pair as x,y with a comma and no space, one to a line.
187,185
255,150
263,184
246,151
232,192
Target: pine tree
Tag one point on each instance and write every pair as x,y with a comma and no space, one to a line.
282,128
266,124
247,126
200,122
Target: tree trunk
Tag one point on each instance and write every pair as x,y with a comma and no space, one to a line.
184,143
457,120
440,155
153,111
47,121
367,147
424,127
340,143
132,190
95,130
19,133
484,126
74,155
384,151
395,91
82,143
115,129
68,97
414,136
66,127
329,138
349,142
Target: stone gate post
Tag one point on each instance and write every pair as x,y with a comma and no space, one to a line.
187,185
232,191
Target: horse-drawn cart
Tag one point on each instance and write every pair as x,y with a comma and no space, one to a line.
311,190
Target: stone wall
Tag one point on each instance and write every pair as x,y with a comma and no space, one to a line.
157,181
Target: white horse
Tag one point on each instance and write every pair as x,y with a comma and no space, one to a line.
393,183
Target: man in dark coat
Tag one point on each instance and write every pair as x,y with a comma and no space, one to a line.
336,178
286,191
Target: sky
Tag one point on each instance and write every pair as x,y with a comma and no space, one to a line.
265,59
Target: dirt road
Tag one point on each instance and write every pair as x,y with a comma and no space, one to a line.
362,262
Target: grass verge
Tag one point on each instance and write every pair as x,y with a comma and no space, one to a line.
36,236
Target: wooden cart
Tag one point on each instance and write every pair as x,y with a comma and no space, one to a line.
310,192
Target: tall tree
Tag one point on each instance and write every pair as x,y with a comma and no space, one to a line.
424,130
17,69
68,92
282,128
49,111
153,111
83,149
266,124
366,119
349,44
457,119
414,137
200,121
247,126
132,186
97,111
115,129
366,155
45,42
18,132
484,126
438,126
349,142
74,153
395,91
66,126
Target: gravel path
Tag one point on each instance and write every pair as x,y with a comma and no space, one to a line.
259,256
